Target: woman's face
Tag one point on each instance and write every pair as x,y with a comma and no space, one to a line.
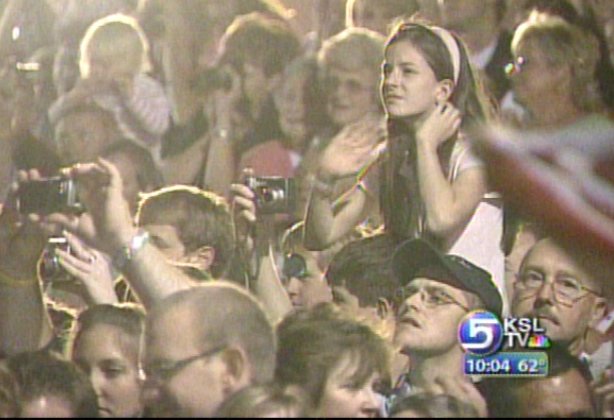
533,79
409,85
110,358
342,397
351,94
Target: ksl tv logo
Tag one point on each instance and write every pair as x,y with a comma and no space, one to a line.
482,333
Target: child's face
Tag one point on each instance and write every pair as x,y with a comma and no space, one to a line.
409,85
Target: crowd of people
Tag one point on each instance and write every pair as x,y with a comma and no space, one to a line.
267,208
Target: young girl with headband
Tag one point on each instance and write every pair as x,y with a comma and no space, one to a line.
429,183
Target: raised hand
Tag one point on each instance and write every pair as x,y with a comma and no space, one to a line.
353,148
439,126
108,224
91,268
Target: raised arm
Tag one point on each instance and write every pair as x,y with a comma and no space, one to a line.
267,285
448,205
112,230
328,218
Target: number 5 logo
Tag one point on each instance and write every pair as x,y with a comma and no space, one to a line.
480,333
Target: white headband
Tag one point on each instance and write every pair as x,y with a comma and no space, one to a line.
452,48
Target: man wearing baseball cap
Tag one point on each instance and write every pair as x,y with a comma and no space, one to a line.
437,291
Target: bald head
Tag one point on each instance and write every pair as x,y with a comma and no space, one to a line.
225,315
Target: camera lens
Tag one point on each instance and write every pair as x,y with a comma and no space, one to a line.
50,268
270,195
50,265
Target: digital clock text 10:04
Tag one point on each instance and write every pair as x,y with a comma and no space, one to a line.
533,364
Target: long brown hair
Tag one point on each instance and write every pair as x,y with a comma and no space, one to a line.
468,97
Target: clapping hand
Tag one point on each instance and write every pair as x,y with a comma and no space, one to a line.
353,148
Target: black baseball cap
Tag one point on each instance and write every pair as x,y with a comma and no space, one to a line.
418,258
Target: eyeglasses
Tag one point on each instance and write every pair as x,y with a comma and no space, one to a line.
431,296
165,370
515,66
567,290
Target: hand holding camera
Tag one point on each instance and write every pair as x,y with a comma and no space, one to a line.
88,266
50,195
258,197
58,204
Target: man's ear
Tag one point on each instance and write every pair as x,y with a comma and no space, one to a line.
444,91
600,310
202,258
236,374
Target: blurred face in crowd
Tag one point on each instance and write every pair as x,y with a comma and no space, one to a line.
342,397
290,104
534,79
256,86
180,383
81,136
305,285
566,396
47,406
351,94
409,86
459,13
109,356
428,318
552,287
368,15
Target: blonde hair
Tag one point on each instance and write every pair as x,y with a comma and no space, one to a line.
119,36
353,49
564,44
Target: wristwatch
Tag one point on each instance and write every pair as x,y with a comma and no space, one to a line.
127,252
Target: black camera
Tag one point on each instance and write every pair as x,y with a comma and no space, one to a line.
50,268
46,196
273,194
214,78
